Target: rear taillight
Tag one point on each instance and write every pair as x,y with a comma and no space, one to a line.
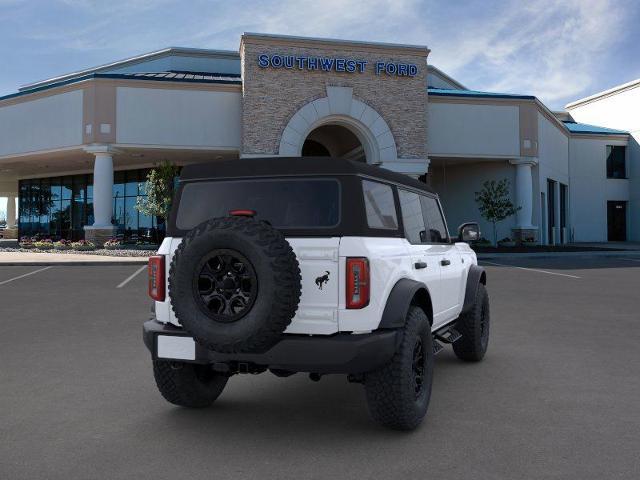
156,277
357,282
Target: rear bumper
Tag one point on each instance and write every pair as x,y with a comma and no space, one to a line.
339,353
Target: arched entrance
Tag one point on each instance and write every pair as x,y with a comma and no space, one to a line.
333,141
341,126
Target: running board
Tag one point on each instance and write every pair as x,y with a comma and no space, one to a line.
448,335
437,347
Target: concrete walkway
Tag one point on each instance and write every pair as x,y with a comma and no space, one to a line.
635,254
33,258
616,245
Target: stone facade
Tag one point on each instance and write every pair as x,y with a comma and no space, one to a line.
272,96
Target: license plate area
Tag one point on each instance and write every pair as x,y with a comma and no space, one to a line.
175,347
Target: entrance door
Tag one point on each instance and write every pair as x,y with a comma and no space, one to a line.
551,211
617,221
563,212
543,222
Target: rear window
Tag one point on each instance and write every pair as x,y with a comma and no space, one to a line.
291,203
379,205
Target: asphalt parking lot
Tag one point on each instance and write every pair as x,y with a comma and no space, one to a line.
556,397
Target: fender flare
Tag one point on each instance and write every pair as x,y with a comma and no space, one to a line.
476,276
399,300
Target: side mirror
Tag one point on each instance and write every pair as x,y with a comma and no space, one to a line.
469,232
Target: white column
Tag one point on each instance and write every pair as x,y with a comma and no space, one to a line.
102,186
103,190
11,211
524,192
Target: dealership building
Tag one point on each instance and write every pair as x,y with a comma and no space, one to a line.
75,149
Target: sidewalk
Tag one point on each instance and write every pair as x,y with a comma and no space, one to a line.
32,258
635,254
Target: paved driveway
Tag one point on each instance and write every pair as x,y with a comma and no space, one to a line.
558,395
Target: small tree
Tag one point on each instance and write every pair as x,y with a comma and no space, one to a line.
159,191
494,203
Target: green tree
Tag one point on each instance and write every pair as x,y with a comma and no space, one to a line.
494,203
159,191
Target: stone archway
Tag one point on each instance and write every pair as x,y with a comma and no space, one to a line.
340,109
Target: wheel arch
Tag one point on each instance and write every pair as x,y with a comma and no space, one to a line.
476,276
405,293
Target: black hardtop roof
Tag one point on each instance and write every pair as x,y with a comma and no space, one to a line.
293,166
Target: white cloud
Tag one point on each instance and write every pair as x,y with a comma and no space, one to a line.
546,48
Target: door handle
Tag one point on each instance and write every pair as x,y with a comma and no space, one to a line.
445,262
419,265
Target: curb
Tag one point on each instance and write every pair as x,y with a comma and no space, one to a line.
595,253
88,263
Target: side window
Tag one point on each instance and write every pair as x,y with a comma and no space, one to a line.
412,218
437,231
380,206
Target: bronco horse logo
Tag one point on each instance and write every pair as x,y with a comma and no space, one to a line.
322,279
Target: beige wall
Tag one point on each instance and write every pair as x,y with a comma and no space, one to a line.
177,117
49,122
473,129
272,96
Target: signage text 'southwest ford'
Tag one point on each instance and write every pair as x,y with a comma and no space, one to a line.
332,64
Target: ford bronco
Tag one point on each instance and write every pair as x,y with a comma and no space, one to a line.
315,265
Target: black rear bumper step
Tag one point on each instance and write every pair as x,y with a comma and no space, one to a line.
339,353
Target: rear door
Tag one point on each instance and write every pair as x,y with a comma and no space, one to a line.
425,259
447,256
318,308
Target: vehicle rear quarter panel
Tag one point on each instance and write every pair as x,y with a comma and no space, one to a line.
389,261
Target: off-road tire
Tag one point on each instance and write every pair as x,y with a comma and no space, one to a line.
474,327
278,284
390,391
188,384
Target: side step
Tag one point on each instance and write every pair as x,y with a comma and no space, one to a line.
446,335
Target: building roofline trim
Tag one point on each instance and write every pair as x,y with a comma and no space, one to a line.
542,108
196,52
114,76
603,94
442,92
416,49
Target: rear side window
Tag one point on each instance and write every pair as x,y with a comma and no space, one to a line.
412,218
290,203
434,220
379,205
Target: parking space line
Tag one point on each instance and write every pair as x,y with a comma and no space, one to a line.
25,275
131,277
531,269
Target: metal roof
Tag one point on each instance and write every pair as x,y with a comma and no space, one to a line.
176,75
475,93
134,60
187,77
293,166
585,128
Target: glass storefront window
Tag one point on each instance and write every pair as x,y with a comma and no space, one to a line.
59,207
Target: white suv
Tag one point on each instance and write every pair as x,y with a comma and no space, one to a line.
312,265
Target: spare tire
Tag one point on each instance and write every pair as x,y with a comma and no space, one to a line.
235,284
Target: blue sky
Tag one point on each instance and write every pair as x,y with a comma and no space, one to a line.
556,50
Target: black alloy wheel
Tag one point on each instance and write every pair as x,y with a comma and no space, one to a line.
225,285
